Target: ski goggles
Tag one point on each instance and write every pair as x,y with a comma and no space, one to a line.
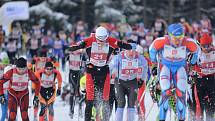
176,37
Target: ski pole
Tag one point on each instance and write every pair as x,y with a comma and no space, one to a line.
149,111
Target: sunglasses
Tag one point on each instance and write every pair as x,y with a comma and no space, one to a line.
49,68
177,37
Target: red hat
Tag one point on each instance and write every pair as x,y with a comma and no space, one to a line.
205,39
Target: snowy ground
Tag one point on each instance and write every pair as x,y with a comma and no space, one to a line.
62,109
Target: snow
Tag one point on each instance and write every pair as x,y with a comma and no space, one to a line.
62,108
44,10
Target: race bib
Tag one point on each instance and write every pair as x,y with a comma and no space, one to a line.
20,82
174,53
74,61
47,80
207,63
129,67
99,54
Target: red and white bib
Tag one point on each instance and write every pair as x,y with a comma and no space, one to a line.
129,68
172,53
20,82
75,61
47,80
99,54
207,63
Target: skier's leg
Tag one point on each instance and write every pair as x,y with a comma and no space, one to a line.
12,106
88,110
24,101
43,110
132,98
112,97
199,93
165,91
89,96
181,82
120,96
141,111
72,82
106,95
4,108
51,111
210,106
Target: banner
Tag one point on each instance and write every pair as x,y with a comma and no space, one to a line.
12,11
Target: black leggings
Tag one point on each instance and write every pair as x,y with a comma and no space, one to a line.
128,88
205,88
74,78
98,100
112,97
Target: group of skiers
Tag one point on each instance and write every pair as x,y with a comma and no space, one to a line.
172,56
177,68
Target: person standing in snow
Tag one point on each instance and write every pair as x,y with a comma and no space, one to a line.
99,47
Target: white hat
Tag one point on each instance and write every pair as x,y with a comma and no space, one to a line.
101,33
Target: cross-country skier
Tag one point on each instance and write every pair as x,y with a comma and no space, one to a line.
204,89
173,48
99,47
4,61
132,74
48,90
19,78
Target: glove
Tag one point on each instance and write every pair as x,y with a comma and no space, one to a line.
2,99
58,92
140,83
83,92
154,71
36,101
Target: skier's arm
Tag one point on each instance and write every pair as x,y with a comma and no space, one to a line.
144,66
35,80
123,45
113,66
154,48
194,49
81,45
1,86
59,78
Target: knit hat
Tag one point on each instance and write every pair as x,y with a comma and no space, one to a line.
205,39
21,63
49,64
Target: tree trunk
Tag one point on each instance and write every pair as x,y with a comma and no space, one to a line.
171,10
198,7
144,13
